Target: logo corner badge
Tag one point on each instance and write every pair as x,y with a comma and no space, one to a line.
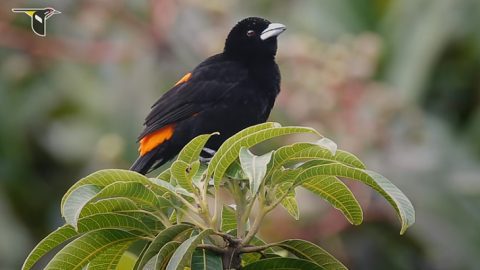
38,18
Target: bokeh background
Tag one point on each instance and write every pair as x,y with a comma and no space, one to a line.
395,81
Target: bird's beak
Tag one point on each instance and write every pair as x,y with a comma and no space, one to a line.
56,12
273,30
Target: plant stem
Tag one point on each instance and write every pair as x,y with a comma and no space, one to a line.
149,239
187,203
192,218
255,227
264,210
163,218
231,258
205,215
273,205
202,201
246,213
228,237
261,198
252,249
239,196
217,210
212,248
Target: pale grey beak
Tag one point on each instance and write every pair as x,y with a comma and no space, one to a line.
56,12
273,30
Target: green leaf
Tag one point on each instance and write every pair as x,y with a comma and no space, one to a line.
285,153
311,252
192,150
76,201
314,162
202,167
206,260
174,217
271,255
136,192
112,221
160,240
228,152
53,240
165,175
108,205
170,189
394,195
104,178
349,159
229,221
299,152
285,179
127,261
328,144
235,171
283,264
139,257
194,168
227,144
256,241
334,191
82,250
248,258
160,261
290,204
255,167
153,223
382,185
109,259
283,175
180,172
183,255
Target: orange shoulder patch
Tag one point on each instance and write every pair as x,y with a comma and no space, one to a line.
156,138
184,78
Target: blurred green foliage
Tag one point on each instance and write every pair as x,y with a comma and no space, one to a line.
397,82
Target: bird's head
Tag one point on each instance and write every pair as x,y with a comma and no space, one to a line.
48,12
253,38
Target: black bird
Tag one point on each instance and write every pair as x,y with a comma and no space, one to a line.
226,93
38,17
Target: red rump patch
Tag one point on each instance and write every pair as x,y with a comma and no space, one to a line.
155,139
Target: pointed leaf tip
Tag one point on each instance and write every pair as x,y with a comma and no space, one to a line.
255,167
76,201
328,144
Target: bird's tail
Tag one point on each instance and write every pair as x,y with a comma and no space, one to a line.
147,163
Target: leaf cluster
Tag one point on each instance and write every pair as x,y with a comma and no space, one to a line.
182,219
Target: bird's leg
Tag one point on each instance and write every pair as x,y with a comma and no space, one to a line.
204,159
209,152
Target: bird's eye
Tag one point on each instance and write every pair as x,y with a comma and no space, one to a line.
250,33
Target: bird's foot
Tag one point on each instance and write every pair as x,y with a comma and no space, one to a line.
204,159
208,152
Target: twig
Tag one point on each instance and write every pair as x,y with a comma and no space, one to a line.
256,225
229,238
212,248
217,210
192,218
187,203
264,210
251,249
240,201
204,209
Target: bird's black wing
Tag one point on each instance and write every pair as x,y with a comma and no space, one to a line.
208,84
